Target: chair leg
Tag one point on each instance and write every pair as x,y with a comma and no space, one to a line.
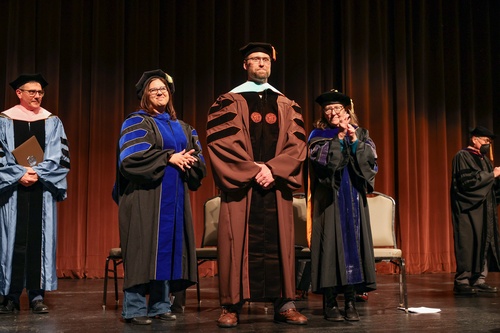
106,269
115,265
403,289
198,285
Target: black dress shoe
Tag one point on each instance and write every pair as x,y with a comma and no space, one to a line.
333,314
38,307
463,289
483,287
8,307
351,314
168,316
140,320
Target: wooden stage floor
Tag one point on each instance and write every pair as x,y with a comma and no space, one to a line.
76,307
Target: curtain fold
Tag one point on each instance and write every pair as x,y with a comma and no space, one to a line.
421,73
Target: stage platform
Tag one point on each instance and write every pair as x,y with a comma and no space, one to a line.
76,307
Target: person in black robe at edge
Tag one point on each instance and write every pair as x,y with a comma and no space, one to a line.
474,195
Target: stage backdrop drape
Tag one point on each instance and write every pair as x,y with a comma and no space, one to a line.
420,74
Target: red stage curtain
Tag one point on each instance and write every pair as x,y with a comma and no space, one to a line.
420,74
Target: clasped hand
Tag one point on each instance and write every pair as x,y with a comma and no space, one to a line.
265,177
183,160
29,178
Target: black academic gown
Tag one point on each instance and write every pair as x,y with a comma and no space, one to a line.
341,241
474,197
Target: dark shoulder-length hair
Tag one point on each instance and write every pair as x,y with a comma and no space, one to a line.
146,102
323,123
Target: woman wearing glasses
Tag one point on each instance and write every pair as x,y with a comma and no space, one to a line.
159,161
342,166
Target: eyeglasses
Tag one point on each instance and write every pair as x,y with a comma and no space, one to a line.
162,90
32,93
485,139
336,108
257,60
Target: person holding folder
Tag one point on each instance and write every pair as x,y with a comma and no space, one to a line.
34,162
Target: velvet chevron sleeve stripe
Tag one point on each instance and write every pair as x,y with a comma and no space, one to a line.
222,134
300,136
224,118
64,160
220,104
196,139
221,121
132,140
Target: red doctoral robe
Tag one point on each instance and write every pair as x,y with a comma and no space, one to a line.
231,155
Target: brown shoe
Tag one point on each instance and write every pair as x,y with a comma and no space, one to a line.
290,316
227,319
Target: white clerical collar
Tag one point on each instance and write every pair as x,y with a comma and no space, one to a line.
251,86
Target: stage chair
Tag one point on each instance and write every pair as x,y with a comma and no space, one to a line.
302,251
115,255
382,210
208,249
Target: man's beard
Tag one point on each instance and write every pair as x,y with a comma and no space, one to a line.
260,76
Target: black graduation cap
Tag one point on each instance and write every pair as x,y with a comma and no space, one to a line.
258,47
482,131
333,96
147,76
25,78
